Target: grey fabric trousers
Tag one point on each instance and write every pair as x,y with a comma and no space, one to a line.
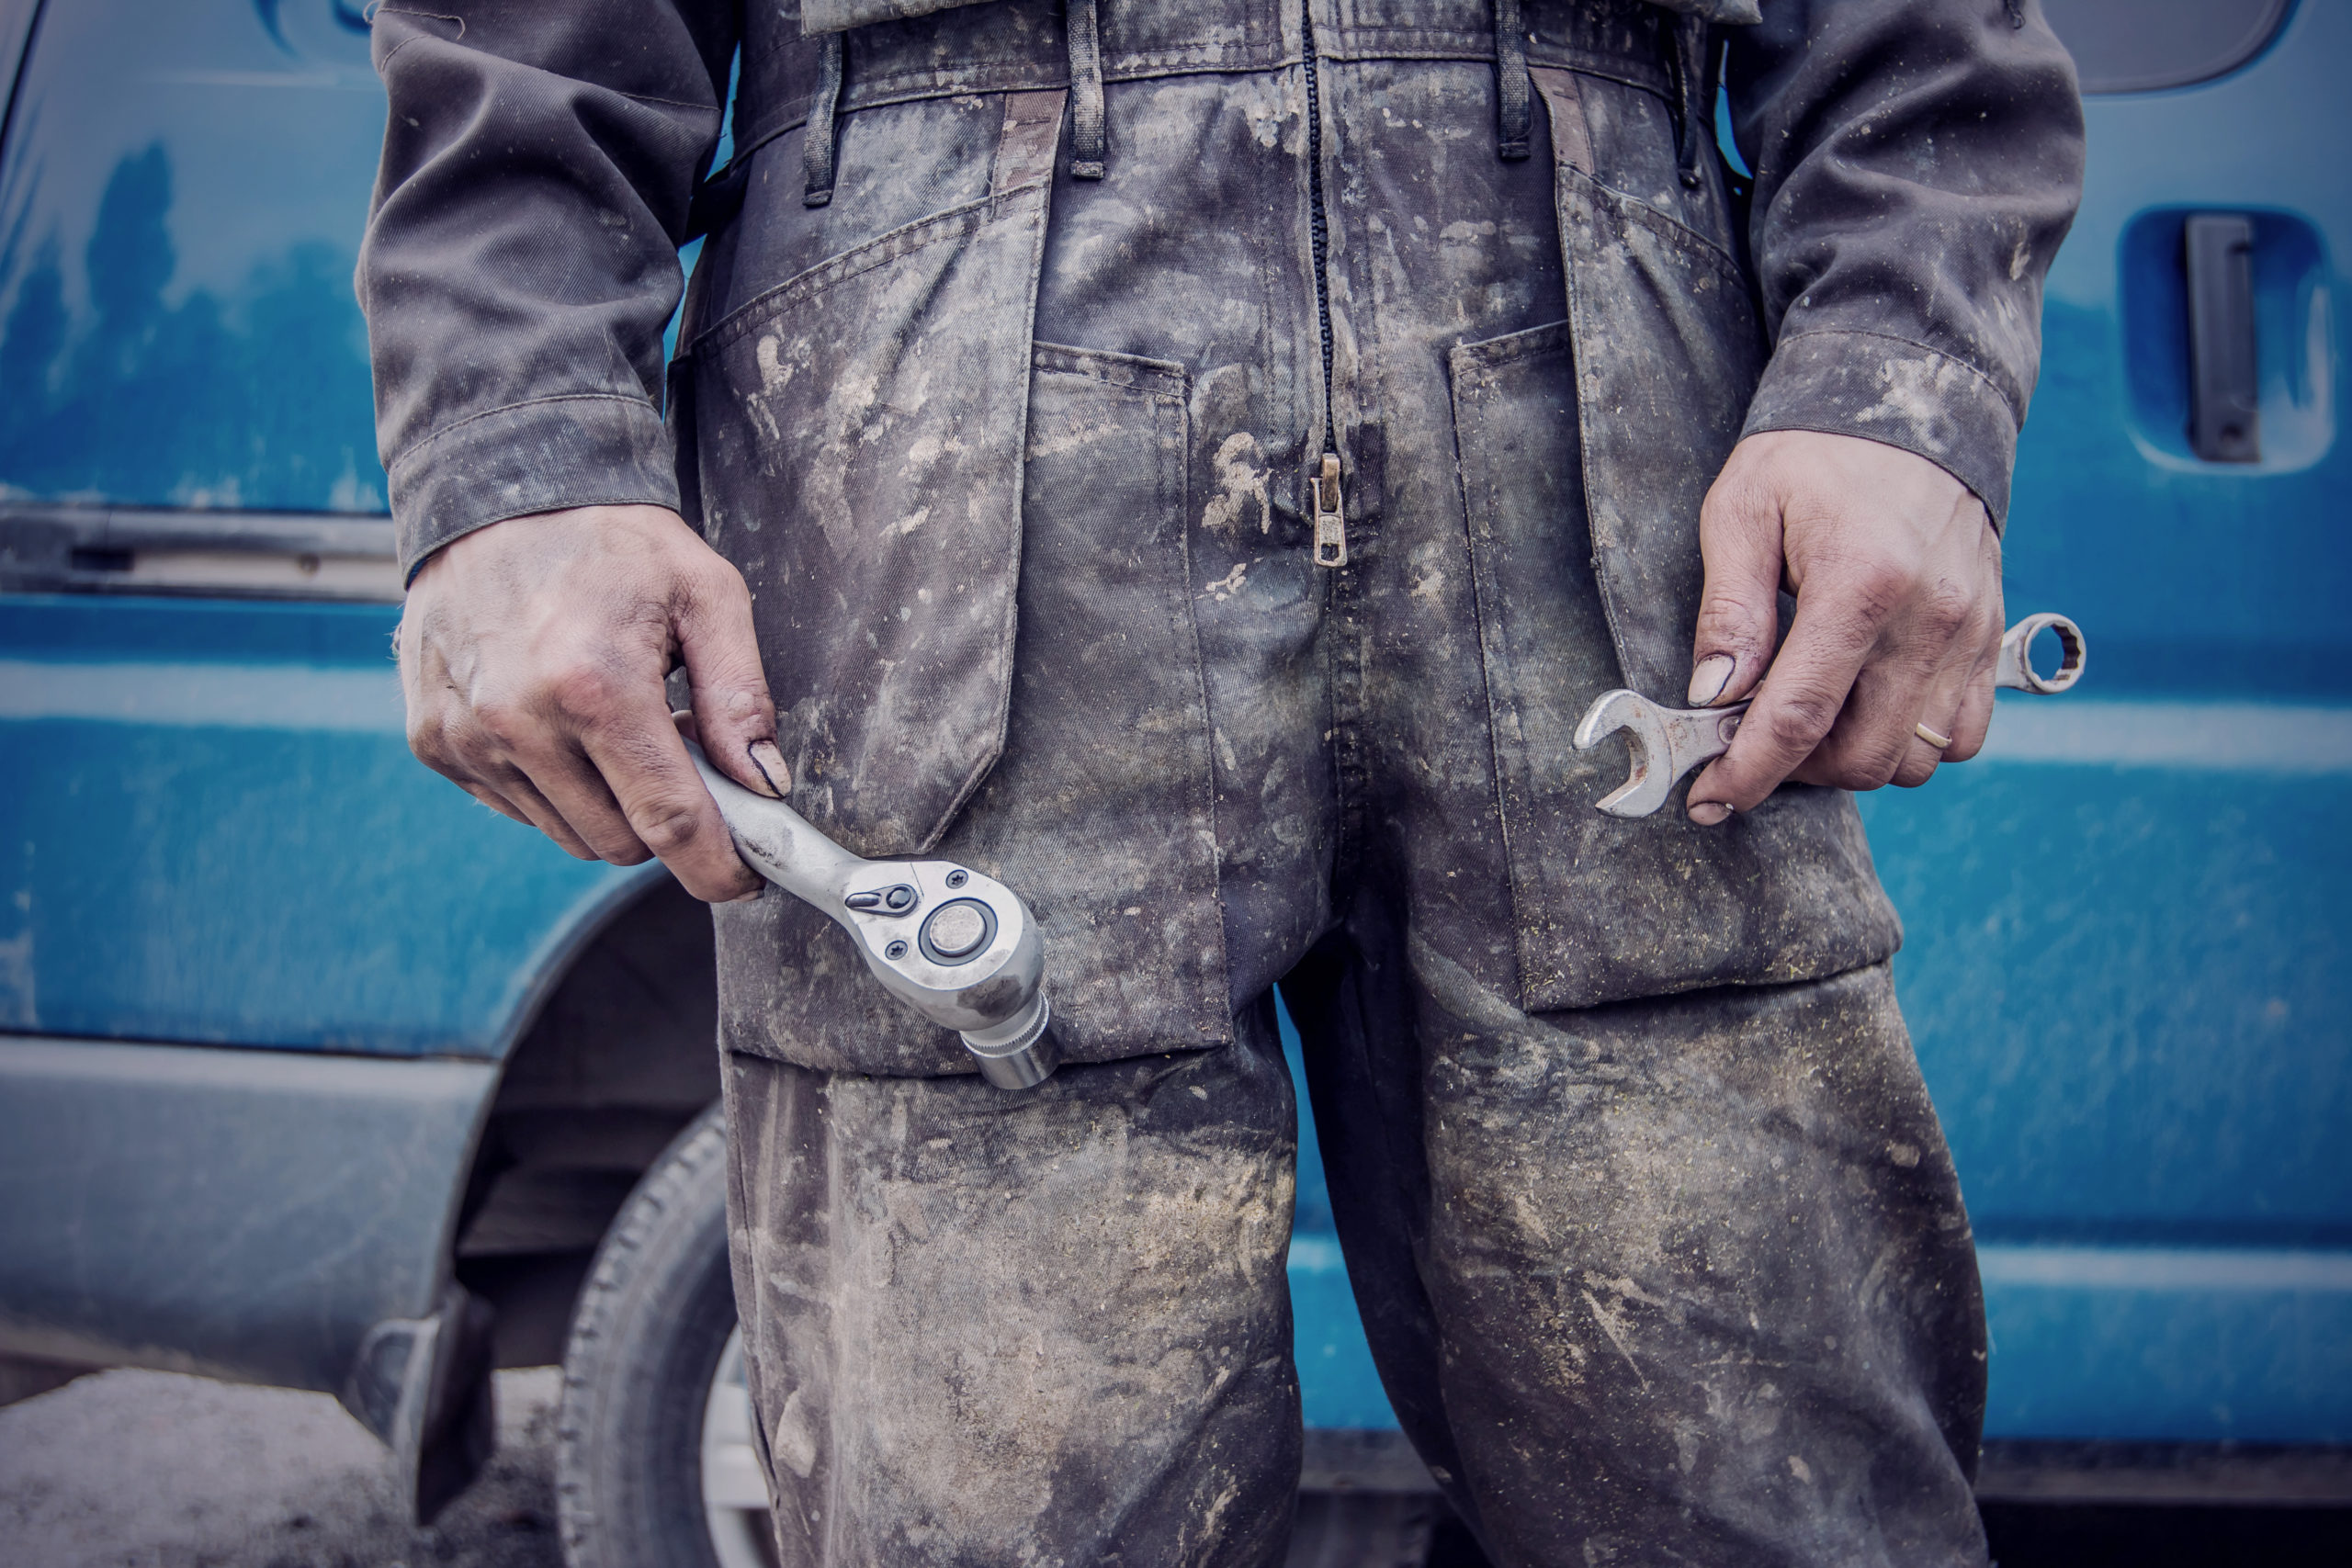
1658,1248
1682,1281
1658,1243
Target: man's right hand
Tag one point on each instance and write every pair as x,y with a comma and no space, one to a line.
532,656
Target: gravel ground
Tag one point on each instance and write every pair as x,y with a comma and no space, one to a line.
151,1469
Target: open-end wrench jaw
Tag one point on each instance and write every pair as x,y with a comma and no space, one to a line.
1664,743
1668,743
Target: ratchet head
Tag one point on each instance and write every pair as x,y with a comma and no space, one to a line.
1666,743
961,949
958,947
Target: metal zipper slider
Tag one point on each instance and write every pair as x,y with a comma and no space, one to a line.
1331,522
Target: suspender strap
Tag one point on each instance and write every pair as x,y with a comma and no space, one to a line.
1514,111
818,142
1087,131
1024,148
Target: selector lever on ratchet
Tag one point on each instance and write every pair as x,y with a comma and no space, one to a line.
1669,742
958,947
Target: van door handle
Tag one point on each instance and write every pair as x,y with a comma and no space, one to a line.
2224,413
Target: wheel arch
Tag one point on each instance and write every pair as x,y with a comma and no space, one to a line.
613,1054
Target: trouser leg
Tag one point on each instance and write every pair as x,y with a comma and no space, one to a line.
1044,1328
1681,1280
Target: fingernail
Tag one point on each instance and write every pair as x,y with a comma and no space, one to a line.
1707,813
770,762
1708,680
750,898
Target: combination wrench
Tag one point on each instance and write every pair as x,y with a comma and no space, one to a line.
959,947
1669,742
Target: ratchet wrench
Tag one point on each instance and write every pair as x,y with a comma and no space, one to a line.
1668,743
959,947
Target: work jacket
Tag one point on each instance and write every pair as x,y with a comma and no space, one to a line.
846,416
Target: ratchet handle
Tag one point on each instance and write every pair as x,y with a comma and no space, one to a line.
778,842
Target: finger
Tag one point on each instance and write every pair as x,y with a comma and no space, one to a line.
528,754
519,792
1803,694
1876,733
572,785
1940,715
734,714
642,758
497,803
1739,540
1972,720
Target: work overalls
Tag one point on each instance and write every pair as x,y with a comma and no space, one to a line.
1656,1238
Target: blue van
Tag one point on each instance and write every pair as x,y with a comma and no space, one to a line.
312,1073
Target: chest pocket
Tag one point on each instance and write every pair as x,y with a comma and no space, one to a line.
967,557
1661,355
860,431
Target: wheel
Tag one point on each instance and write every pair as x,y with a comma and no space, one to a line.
654,1461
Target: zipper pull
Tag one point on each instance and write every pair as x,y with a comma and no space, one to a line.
1331,522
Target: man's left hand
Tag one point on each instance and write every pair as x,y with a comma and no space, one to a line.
1897,577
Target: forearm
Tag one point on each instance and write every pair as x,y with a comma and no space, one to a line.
1917,164
521,261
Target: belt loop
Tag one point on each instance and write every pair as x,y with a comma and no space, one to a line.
1514,111
1694,109
1083,26
816,142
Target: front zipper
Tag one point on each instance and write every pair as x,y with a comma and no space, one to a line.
1323,476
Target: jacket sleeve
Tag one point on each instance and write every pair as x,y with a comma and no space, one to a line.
1916,162
522,253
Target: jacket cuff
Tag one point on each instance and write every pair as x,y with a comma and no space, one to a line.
586,449
1897,391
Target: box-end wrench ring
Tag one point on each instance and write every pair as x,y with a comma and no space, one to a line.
1668,743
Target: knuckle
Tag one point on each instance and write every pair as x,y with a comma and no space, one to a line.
1797,722
506,725
582,690
1947,612
428,740
666,824
1725,610
1877,590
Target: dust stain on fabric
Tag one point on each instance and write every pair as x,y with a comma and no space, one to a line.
1242,475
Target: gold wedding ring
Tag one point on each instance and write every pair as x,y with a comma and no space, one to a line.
1940,742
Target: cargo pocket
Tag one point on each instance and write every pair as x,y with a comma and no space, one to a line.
1100,811
859,430
1585,451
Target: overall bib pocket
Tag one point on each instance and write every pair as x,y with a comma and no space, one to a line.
1585,451
859,430
1101,810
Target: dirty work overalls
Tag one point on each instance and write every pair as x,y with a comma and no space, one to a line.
1657,1242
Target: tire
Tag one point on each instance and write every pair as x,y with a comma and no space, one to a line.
654,1467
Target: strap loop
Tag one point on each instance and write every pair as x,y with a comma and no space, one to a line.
1514,109
1088,135
818,142
1571,135
1024,147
